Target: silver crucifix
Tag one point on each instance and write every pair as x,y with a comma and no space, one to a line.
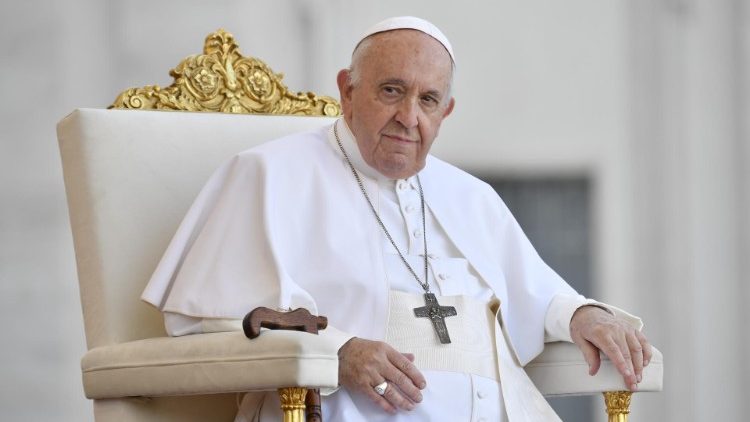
436,314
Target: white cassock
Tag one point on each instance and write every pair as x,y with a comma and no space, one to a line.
285,225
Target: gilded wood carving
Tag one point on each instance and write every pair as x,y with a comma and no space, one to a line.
223,80
293,403
618,405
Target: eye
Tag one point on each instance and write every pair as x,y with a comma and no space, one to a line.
430,101
391,90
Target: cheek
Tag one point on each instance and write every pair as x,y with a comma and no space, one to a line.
428,133
422,154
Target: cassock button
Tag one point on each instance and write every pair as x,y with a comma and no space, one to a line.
410,208
480,394
443,276
402,185
418,233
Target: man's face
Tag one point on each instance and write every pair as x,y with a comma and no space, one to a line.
398,101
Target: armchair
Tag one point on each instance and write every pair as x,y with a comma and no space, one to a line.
130,176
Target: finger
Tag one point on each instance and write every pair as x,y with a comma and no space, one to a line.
408,377
636,355
619,354
409,356
591,356
380,400
407,367
647,351
629,374
397,399
400,378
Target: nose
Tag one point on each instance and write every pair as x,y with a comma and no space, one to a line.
407,113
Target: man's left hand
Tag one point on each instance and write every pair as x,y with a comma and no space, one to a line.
594,329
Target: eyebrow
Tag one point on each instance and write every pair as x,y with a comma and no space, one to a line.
393,81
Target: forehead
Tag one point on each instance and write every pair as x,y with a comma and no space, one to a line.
406,54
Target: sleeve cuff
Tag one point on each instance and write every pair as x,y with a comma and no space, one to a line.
339,338
561,310
629,318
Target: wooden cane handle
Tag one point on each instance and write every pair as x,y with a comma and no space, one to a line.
299,319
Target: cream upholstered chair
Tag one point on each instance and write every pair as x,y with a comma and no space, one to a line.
130,176
560,370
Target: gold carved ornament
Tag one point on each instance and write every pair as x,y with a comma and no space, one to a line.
293,403
223,80
618,405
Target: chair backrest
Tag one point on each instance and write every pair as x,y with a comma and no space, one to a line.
130,177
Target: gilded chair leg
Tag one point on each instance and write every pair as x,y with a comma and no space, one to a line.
293,403
618,405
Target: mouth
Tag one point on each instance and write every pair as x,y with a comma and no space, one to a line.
400,139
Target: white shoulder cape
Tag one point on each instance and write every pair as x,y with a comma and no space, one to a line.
284,225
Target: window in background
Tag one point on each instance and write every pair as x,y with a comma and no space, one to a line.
555,214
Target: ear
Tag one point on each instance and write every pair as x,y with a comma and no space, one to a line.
449,109
345,88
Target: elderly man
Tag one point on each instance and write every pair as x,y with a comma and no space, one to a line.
433,292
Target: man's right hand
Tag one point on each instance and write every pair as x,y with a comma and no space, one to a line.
363,364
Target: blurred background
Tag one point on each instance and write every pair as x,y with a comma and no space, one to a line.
617,131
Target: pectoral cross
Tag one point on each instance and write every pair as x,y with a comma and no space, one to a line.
436,314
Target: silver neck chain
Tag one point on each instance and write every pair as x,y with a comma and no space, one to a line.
425,285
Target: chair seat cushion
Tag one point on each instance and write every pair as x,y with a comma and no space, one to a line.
210,363
560,370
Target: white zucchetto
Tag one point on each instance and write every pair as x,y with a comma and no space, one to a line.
410,22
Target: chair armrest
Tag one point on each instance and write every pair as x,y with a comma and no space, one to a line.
560,370
210,363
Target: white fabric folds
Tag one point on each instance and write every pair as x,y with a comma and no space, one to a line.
277,226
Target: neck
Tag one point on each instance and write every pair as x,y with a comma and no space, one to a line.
351,145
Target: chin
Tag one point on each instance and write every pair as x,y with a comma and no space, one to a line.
399,167
400,172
